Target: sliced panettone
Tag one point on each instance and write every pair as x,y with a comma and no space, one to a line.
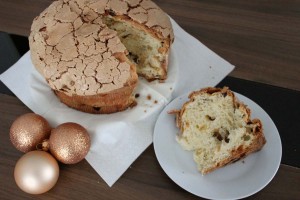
91,51
217,128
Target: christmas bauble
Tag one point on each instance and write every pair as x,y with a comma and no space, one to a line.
28,130
36,172
69,143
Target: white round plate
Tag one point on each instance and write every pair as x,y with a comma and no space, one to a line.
238,180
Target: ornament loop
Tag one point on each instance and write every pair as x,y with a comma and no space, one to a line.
43,146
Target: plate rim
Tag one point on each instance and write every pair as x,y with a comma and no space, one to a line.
240,97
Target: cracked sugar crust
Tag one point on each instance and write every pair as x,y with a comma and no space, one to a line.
78,54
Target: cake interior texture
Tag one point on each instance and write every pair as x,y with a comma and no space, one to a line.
144,48
214,127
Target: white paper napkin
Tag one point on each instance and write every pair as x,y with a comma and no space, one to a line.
119,138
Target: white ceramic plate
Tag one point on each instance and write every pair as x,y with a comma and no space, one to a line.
238,180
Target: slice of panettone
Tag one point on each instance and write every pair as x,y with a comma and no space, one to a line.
217,127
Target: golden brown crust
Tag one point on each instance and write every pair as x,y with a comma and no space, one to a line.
115,101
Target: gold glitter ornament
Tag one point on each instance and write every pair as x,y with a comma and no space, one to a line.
36,172
28,130
69,143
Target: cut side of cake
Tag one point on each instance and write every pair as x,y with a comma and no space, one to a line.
147,49
217,127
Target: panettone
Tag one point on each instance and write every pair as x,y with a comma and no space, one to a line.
92,51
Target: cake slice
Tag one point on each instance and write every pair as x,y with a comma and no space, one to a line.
217,127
